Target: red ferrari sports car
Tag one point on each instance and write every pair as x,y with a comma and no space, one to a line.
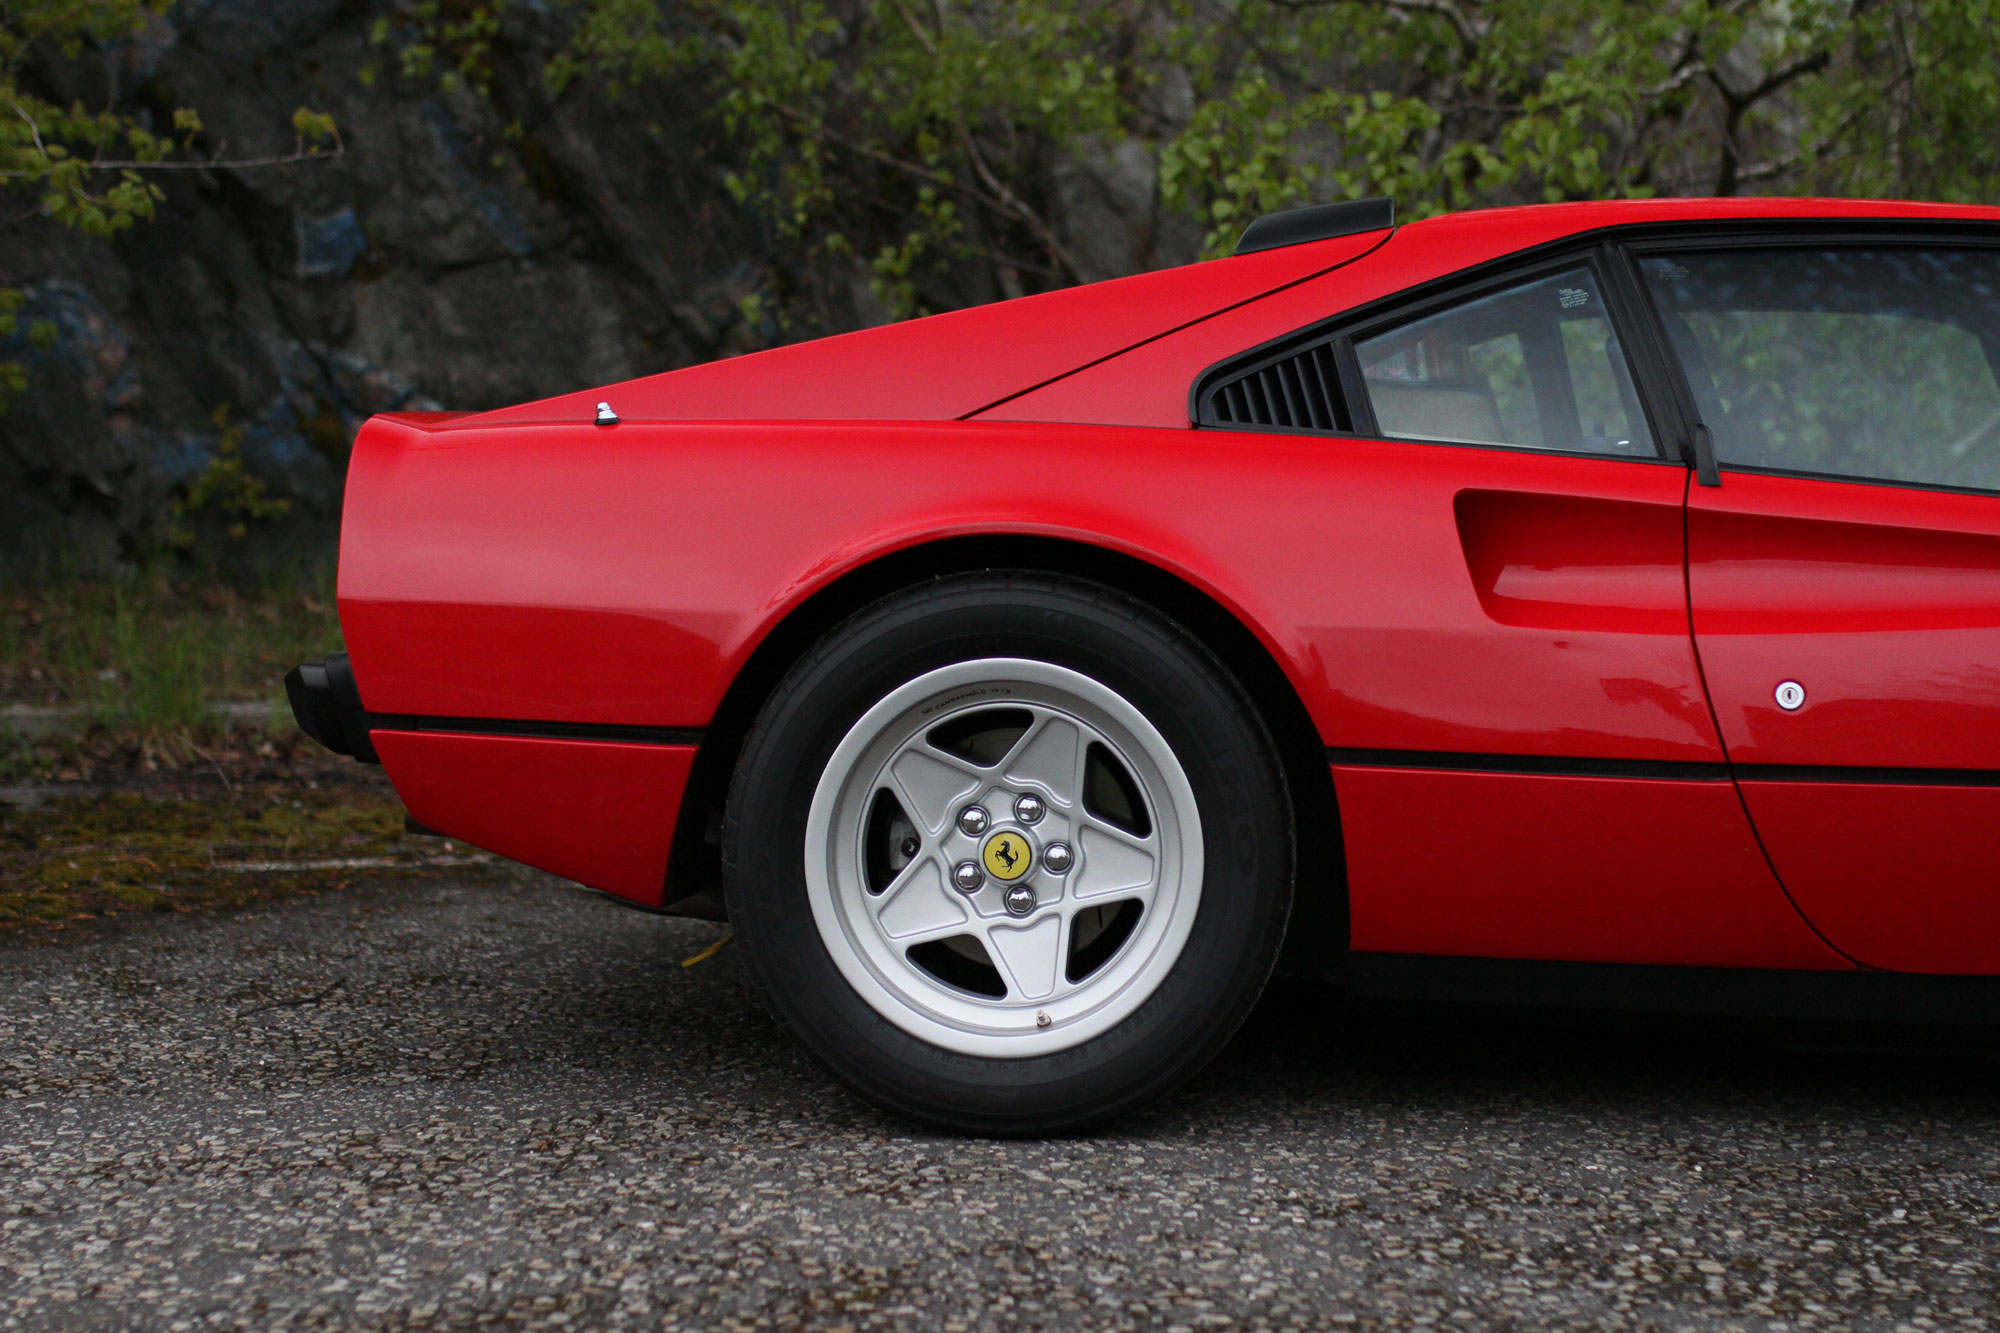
1597,601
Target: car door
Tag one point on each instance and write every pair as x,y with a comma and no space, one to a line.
1524,758
1844,574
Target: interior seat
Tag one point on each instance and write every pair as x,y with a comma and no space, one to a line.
1461,410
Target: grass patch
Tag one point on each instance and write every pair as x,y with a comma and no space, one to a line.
79,858
150,654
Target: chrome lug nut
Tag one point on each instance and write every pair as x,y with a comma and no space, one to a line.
1020,900
1028,809
972,820
1058,858
968,877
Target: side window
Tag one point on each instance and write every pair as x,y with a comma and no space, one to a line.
1853,362
1536,366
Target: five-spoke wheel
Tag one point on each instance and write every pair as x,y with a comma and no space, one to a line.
1009,857
1009,853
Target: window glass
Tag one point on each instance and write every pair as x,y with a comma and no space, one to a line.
1535,366
1600,380
1854,362
1501,364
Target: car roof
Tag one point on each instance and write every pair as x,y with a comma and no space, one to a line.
1574,218
1147,386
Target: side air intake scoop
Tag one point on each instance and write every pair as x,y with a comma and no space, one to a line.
1322,222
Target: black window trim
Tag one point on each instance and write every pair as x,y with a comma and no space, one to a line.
1663,392
1913,234
1341,332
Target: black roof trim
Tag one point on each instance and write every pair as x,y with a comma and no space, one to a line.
1322,222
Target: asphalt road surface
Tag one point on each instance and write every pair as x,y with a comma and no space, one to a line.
456,1105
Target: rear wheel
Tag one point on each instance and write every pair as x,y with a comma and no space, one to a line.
1009,853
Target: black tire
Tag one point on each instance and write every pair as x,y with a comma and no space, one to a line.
1214,732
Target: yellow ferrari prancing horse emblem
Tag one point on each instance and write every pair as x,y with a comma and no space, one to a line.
1007,856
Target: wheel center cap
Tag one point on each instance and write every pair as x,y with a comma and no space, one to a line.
1007,856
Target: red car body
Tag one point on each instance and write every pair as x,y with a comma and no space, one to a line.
1537,688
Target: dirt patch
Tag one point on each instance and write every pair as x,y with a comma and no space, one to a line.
129,830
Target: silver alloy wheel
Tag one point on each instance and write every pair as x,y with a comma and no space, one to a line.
1101,935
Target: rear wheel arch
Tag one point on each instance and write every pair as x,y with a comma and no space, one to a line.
1317,938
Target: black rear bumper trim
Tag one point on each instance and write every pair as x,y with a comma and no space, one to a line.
327,703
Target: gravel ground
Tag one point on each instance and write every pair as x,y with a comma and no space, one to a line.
447,1105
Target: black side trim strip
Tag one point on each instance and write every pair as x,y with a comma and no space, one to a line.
564,731
1449,761
1888,777
1453,762
1858,995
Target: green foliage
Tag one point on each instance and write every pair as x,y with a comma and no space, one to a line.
95,171
90,169
59,152
909,135
451,41
315,129
1911,105
922,137
13,376
225,490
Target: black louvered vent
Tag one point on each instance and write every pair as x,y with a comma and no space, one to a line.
1300,392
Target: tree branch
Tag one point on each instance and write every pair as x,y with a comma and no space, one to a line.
1467,29
33,128
1763,171
1686,71
1001,196
1729,174
1787,73
1015,206
218,163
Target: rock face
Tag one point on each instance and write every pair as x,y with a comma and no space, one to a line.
466,251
